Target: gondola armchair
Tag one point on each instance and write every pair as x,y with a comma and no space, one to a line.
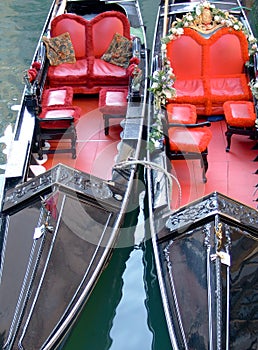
57,125
188,141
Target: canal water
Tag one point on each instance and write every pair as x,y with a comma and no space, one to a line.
124,311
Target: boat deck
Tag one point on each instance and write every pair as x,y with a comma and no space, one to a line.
232,173
95,151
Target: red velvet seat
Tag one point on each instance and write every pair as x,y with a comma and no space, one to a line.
90,40
210,70
62,96
189,141
240,118
113,104
57,124
181,113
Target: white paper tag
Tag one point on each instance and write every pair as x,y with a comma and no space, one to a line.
39,231
225,258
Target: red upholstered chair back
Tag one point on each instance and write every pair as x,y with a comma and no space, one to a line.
185,54
223,53
77,28
228,52
104,26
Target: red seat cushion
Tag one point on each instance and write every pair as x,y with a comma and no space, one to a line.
189,140
181,113
227,86
113,101
62,112
67,73
239,113
57,96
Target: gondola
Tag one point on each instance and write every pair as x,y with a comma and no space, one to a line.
202,200
72,173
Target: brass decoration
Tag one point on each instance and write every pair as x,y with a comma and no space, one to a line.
204,23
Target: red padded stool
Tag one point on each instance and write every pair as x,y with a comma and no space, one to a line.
189,142
113,104
62,96
240,118
181,113
55,124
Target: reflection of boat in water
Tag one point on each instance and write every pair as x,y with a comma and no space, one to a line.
97,317
206,248
117,305
64,201
156,318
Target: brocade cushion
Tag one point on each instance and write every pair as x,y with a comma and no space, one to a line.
119,51
59,49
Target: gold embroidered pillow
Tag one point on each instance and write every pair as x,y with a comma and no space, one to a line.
59,49
119,51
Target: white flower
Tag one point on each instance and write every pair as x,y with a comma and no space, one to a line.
189,17
217,18
156,74
180,31
168,93
198,10
236,27
156,143
170,71
252,39
154,85
206,4
163,47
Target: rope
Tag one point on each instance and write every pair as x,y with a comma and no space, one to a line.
153,166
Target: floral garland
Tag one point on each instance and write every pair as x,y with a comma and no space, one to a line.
162,85
254,88
219,17
163,90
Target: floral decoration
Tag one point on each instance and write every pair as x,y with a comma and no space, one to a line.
211,17
254,88
163,90
163,85
156,133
